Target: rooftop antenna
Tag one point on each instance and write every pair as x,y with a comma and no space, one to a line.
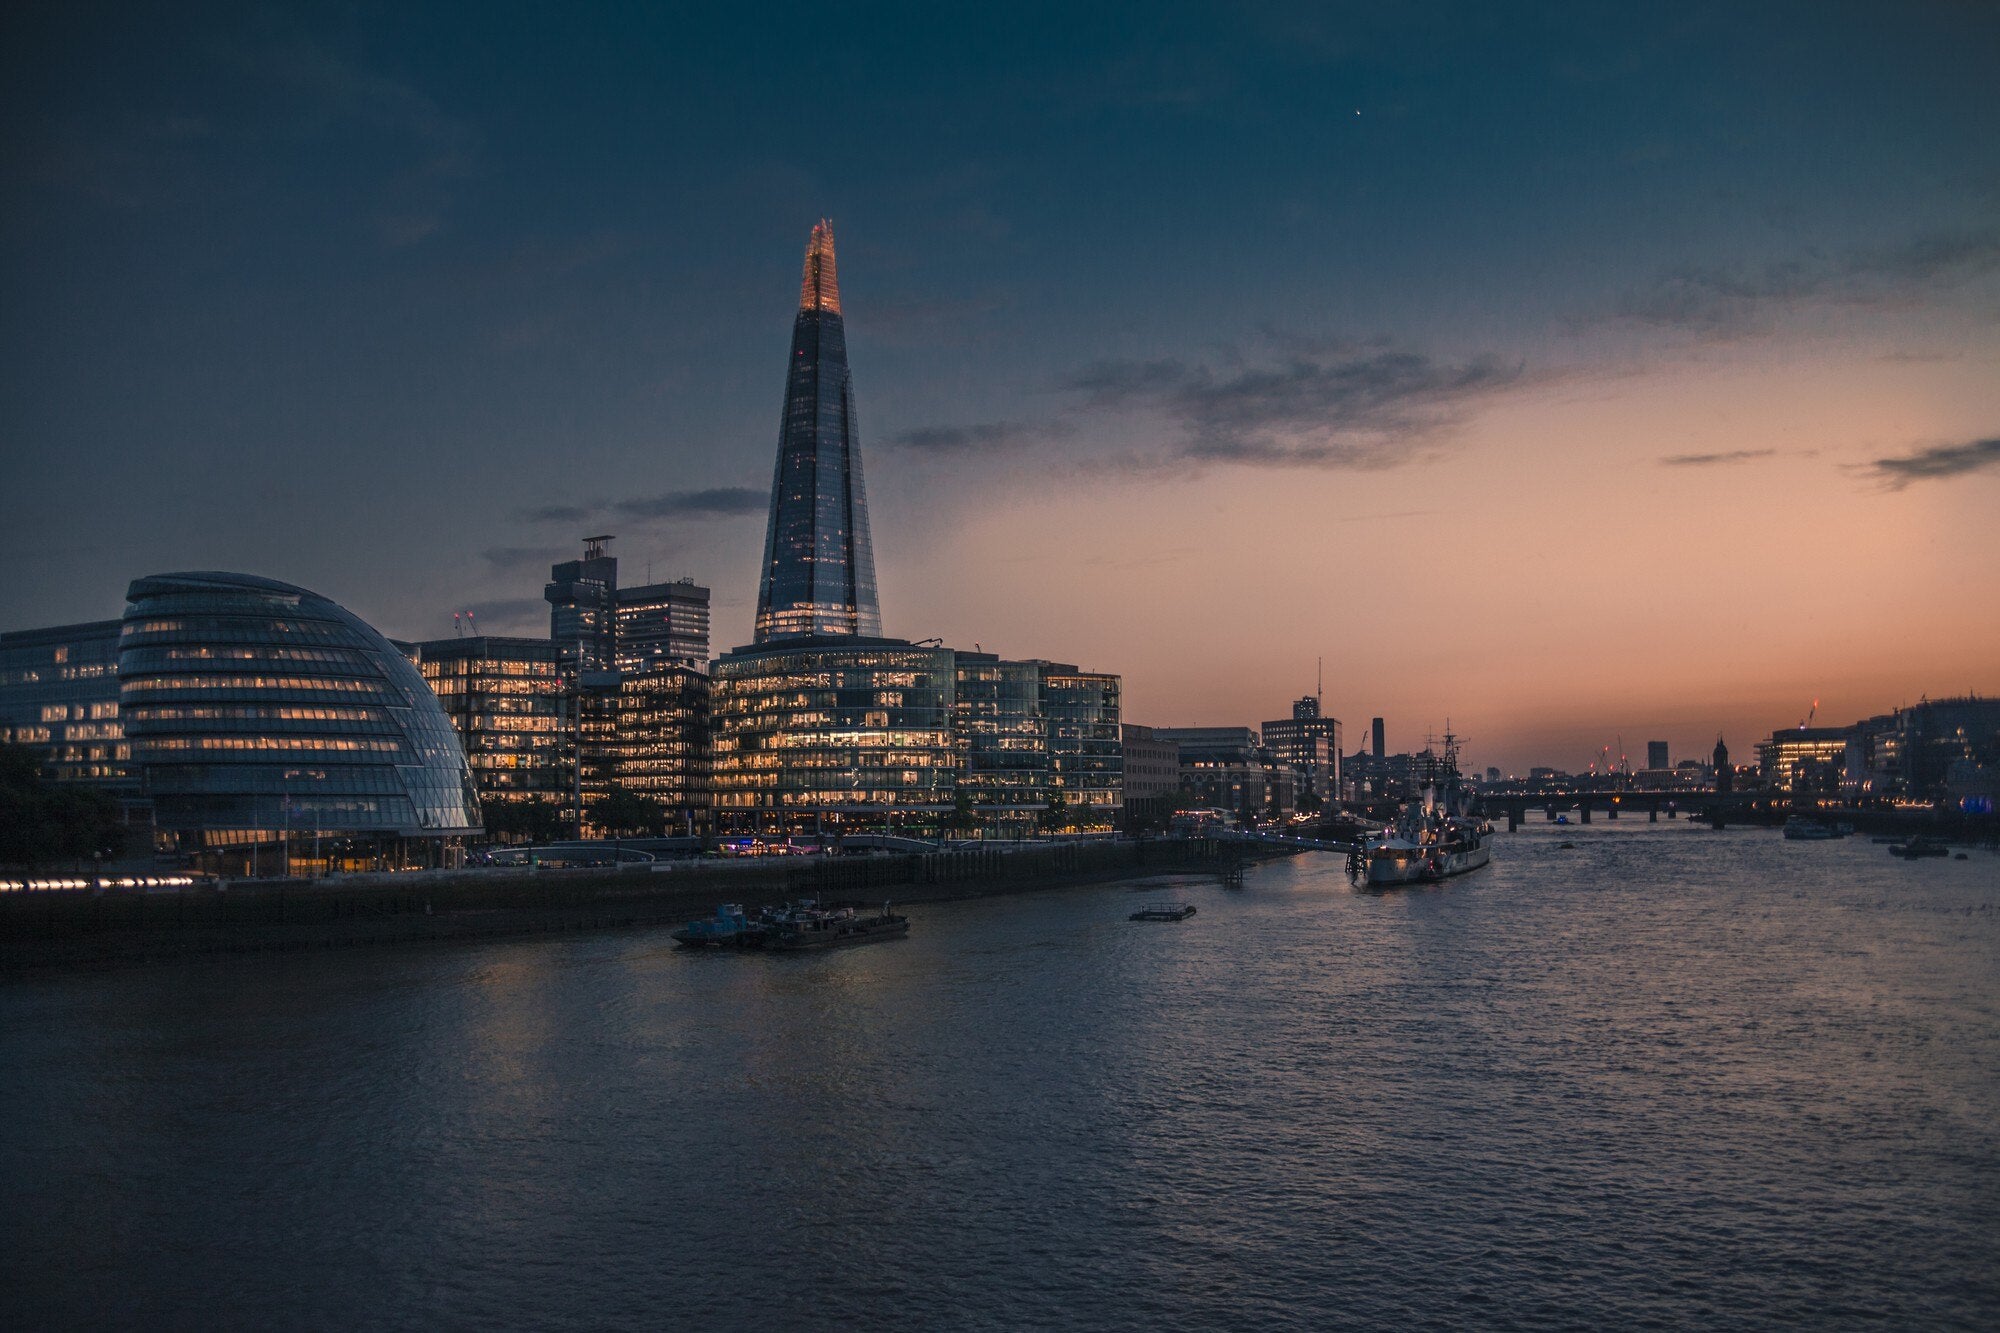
1319,684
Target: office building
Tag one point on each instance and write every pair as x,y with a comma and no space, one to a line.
860,730
1656,755
1310,743
661,624
1081,713
504,697
1152,765
59,697
1804,759
1923,752
266,717
1229,768
583,608
655,745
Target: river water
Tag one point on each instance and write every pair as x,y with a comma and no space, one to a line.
1667,1076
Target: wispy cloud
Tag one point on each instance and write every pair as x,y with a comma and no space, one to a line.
983,437
1309,403
718,502
1332,406
714,502
1728,301
1936,463
1715,460
558,513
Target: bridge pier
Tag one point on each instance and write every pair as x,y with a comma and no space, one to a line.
1513,819
1614,809
1584,808
1653,817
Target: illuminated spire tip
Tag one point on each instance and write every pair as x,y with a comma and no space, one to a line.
821,288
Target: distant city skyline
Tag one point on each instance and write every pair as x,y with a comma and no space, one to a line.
1563,380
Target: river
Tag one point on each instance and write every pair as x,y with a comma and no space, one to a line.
1663,1076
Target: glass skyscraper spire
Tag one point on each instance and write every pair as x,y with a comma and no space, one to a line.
819,566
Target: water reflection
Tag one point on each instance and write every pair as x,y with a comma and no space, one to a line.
1669,1074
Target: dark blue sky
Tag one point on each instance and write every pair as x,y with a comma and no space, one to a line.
352,295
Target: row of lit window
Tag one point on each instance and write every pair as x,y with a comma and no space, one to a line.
765,764
252,652
273,713
318,684
335,744
95,712
445,668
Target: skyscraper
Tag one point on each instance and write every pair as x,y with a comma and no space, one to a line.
819,566
823,726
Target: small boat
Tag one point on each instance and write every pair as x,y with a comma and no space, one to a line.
1804,828
729,928
1919,847
1164,912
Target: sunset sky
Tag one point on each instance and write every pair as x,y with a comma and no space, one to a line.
1568,374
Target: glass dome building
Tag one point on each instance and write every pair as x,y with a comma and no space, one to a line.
262,713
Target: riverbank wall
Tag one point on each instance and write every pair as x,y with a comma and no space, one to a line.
85,929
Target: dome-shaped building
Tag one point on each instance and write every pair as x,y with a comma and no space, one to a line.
261,714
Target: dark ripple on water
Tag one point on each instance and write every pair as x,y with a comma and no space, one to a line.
1667,1078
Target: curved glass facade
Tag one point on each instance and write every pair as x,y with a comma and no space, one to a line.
254,707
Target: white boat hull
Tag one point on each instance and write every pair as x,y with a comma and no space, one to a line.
1423,864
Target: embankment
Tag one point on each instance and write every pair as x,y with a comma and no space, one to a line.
82,929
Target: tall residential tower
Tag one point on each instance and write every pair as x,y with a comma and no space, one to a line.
819,567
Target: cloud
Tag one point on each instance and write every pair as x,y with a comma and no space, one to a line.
1333,405
558,513
1727,301
1935,463
1314,404
1714,460
717,502
985,437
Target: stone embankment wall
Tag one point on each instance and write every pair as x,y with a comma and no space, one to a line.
83,928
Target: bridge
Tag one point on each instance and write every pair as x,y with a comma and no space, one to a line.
1755,807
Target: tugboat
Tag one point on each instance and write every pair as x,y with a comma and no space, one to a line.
808,926
729,928
1435,836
